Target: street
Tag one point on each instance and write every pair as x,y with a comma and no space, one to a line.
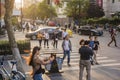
108,57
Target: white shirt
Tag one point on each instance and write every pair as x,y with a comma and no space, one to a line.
64,34
46,36
66,45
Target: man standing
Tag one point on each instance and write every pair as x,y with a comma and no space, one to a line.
46,40
67,47
55,38
113,34
39,37
85,54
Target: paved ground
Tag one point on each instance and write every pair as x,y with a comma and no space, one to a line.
108,57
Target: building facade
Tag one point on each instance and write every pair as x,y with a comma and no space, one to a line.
110,7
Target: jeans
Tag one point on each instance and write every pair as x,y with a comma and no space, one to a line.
85,64
67,52
46,41
55,43
40,42
38,77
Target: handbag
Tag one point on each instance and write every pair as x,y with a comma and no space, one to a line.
40,70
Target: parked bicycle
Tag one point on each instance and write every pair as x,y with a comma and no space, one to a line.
13,74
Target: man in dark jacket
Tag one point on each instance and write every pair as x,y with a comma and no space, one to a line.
85,54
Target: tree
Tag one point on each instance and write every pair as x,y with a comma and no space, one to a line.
94,11
31,12
41,10
45,10
7,18
76,8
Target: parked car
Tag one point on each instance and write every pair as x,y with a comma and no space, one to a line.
88,30
50,30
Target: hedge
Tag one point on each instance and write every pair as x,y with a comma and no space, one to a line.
23,45
114,21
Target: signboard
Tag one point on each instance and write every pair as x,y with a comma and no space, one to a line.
16,13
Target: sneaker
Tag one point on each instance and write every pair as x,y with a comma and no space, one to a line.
69,65
97,63
92,63
116,46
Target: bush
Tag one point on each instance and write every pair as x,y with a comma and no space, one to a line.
23,45
113,21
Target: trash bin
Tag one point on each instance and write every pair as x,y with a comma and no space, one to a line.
50,65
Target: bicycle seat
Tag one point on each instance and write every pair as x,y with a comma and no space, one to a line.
13,62
14,71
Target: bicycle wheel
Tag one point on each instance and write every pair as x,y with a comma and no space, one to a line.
18,76
1,77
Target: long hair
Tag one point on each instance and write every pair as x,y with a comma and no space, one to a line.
35,49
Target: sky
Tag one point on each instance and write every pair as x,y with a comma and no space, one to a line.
18,3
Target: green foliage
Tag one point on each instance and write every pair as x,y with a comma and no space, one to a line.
114,21
94,11
22,45
14,21
46,11
40,10
76,8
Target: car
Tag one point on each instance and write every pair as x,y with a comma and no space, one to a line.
88,30
50,30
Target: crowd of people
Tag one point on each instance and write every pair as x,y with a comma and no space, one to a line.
88,53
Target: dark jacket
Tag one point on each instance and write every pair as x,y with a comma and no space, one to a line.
85,53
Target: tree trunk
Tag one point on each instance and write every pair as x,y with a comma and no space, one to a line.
8,14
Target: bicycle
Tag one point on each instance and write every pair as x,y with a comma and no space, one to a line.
13,75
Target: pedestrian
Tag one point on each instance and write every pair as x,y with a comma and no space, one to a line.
64,33
46,40
85,54
40,37
91,42
96,46
91,46
113,34
81,42
67,47
23,27
27,27
55,38
36,62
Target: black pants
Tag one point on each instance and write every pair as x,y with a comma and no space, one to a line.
55,43
46,42
112,39
40,42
